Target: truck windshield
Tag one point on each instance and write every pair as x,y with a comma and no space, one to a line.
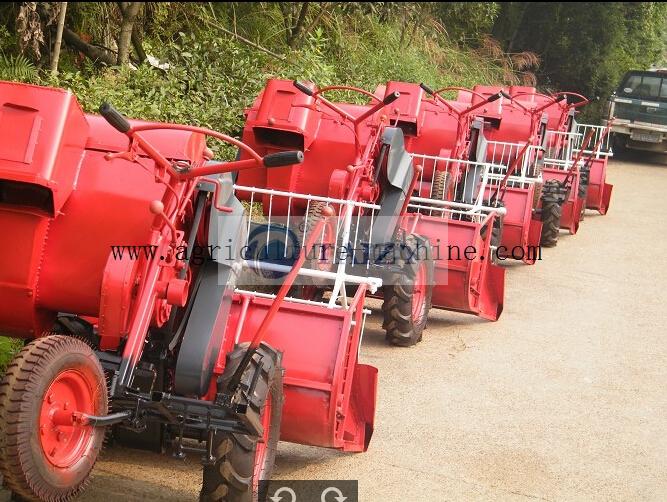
644,86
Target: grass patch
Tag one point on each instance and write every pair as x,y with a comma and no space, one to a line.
8,348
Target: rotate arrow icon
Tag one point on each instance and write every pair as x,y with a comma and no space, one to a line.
332,489
283,489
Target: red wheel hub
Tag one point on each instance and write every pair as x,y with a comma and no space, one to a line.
419,294
63,440
262,443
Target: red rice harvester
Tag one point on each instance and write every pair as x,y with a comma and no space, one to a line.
525,123
574,164
355,165
446,206
157,341
563,129
512,173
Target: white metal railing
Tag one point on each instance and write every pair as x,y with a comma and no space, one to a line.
281,222
600,143
470,181
504,153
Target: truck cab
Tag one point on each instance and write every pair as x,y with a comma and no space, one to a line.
639,106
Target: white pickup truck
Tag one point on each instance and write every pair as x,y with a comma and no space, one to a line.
639,106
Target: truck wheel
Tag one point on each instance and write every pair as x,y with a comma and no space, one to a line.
42,457
407,300
243,461
619,144
551,212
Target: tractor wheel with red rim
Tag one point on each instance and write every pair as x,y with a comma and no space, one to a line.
45,454
407,298
241,461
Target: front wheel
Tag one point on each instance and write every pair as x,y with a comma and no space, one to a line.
407,299
44,455
552,209
243,461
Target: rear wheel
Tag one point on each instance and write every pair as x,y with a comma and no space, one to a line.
243,461
552,210
407,299
44,455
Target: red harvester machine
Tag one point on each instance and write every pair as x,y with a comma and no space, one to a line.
157,341
447,206
356,166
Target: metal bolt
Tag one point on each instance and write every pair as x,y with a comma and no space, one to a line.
50,398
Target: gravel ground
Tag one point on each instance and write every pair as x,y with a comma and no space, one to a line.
564,398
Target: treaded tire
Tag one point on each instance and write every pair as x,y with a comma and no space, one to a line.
496,234
24,466
399,324
230,478
552,210
441,185
584,178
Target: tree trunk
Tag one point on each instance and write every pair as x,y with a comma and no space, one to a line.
138,45
130,10
93,52
59,38
296,29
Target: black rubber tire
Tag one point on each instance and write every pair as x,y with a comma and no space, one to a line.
399,325
619,144
24,467
552,210
584,177
441,184
497,234
230,479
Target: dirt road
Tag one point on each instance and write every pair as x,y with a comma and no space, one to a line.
565,398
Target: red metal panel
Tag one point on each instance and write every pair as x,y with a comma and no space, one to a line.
329,397
43,134
109,207
470,285
102,137
599,192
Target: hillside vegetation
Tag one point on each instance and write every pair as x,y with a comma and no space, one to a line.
203,63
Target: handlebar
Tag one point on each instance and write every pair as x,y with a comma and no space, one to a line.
281,159
121,124
427,89
345,88
115,118
355,120
583,100
303,88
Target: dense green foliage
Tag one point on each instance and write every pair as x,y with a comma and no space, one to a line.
585,46
203,73
212,76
